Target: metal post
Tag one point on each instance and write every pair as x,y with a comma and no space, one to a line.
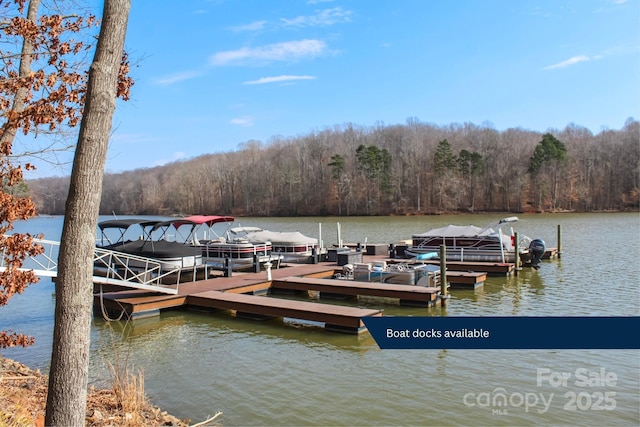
517,250
559,240
228,269
267,266
443,276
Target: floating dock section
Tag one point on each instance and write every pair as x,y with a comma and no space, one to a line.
132,304
491,268
407,294
466,279
335,317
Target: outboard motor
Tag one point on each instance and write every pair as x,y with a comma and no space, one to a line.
537,249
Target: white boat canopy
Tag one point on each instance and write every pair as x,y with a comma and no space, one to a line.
291,237
468,230
452,231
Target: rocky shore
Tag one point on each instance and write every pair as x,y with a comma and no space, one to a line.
23,396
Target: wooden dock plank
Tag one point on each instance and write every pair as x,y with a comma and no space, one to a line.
241,282
485,267
135,303
352,287
550,253
466,279
348,318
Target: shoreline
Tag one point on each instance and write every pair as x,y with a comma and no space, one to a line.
23,398
532,211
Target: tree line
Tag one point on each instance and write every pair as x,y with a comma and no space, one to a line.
385,170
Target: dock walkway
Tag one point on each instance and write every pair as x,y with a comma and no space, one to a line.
335,317
245,294
407,294
491,268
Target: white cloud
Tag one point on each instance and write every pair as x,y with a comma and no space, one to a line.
254,26
278,79
175,78
571,61
287,51
246,121
324,17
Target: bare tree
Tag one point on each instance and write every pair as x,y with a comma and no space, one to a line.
68,378
320,174
40,91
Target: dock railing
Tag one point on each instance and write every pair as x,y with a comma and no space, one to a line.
110,268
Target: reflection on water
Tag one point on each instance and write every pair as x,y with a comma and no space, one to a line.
284,372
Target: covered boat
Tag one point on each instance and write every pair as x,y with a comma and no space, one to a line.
293,246
471,243
217,246
148,239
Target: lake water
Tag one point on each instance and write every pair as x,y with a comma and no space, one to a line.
279,373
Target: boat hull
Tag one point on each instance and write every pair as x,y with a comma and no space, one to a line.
170,255
469,254
237,252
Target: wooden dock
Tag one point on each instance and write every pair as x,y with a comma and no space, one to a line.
466,279
245,293
238,293
551,253
491,268
131,304
335,317
408,295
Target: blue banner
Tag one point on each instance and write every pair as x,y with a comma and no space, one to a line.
505,332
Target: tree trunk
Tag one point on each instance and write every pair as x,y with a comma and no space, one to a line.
68,378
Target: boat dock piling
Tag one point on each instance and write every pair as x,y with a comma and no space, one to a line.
516,242
443,275
559,249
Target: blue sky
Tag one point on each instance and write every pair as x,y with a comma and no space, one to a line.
213,74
